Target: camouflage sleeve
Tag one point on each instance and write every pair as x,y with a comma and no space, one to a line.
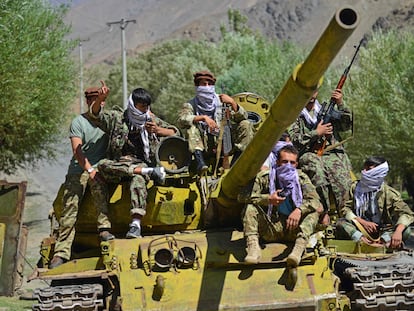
302,137
186,116
260,191
240,115
311,201
399,211
160,122
107,120
347,210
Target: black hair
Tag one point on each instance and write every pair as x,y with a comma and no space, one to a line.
285,136
141,96
374,161
289,149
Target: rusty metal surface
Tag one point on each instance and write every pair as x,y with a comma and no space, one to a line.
13,236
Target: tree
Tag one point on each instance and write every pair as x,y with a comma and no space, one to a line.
241,61
381,92
37,76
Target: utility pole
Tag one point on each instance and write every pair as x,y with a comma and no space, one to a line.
123,24
81,74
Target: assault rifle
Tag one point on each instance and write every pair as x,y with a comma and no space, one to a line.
224,141
328,112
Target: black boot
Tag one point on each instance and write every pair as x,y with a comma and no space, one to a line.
201,165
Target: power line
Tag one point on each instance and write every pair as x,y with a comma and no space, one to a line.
123,24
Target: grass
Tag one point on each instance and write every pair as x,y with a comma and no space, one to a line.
15,304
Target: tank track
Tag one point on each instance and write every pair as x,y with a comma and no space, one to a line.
69,297
382,285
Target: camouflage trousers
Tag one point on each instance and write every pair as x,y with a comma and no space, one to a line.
345,229
122,170
332,171
257,222
241,134
73,191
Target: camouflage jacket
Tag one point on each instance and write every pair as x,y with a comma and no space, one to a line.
116,124
259,194
393,209
305,138
189,111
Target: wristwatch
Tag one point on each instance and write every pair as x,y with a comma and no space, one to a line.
90,170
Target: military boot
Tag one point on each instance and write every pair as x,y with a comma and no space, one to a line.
253,249
295,256
201,165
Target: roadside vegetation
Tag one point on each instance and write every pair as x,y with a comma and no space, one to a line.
38,83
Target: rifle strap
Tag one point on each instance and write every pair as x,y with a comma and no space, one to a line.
364,232
219,145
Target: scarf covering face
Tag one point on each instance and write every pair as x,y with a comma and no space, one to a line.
207,100
311,120
138,120
288,178
272,173
366,189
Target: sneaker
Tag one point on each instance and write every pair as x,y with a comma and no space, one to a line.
105,235
56,262
134,232
158,175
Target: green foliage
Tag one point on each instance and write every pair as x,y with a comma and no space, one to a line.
381,92
242,62
36,80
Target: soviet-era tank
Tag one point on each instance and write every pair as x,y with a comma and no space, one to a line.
191,255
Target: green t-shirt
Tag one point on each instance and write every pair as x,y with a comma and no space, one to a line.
94,142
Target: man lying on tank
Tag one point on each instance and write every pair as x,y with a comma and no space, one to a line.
133,136
283,206
200,120
322,155
374,212
89,145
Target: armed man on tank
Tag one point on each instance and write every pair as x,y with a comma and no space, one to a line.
322,154
89,145
282,206
374,213
133,136
201,119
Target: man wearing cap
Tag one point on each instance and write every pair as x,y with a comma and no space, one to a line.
133,137
200,120
89,145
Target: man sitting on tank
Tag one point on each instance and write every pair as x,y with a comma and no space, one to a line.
374,213
134,135
200,119
283,206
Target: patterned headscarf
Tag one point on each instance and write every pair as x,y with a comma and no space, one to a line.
366,189
207,100
138,120
311,120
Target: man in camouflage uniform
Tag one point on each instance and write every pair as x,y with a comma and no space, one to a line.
277,216
201,117
89,145
134,135
332,168
374,212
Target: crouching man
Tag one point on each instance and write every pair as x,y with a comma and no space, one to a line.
284,206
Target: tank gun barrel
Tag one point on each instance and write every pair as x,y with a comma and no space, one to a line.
288,104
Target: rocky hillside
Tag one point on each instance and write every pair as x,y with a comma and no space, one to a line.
301,21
